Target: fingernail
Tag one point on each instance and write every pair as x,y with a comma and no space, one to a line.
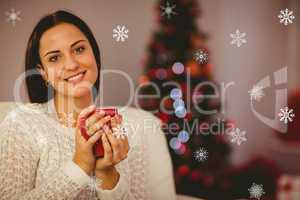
92,106
101,112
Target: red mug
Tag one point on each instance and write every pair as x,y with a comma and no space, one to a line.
98,147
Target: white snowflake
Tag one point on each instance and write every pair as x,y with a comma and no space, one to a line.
286,17
201,154
238,136
256,191
256,92
168,10
120,132
286,115
13,16
201,56
238,38
120,33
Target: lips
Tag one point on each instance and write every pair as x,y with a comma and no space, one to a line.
76,77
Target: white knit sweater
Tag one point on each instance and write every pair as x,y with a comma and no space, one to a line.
36,154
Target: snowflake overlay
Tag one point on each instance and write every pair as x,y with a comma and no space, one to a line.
201,56
201,154
256,191
286,115
238,136
120,33
168,10
120,132
286,17
238,38
13,16
256,92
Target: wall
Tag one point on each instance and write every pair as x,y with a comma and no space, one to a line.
270,46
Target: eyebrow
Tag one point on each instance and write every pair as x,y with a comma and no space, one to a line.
57,51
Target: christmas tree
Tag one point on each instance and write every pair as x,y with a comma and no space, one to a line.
178,78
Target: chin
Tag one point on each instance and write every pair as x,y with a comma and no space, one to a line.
81,91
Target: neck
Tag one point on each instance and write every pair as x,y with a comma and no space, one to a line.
67,106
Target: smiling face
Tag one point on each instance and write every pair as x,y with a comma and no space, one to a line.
67,60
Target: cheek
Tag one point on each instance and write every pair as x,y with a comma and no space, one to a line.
91,75
57,83
90,63
54,75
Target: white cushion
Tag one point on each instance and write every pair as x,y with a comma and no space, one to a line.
5,107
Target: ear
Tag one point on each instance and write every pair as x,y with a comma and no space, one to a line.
42,72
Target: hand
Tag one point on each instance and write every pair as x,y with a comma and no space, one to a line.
84,156
115,149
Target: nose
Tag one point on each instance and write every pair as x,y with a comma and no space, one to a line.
71,63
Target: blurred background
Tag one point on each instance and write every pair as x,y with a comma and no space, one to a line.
268,158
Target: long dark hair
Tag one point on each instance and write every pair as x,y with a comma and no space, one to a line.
38,90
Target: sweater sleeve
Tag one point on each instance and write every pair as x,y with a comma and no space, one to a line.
19,158
123,190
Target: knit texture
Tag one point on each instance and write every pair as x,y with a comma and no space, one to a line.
36,154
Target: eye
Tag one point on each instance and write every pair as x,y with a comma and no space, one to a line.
79,50
53,58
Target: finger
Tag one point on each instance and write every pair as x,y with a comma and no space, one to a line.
94,138
113,122
119,119
126,145
106,129
85,113
79,136
108,154
98,125
116,147
94,118
124,148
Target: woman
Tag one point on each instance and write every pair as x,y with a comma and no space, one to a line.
42,152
